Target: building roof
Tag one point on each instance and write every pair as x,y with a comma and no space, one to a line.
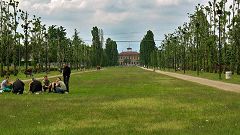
129,53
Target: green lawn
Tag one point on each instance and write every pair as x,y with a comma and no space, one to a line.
123,101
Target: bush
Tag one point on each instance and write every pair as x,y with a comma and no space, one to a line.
53,69
10,72
28,72
3,73
36,70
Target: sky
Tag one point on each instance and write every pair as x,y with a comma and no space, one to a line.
120,20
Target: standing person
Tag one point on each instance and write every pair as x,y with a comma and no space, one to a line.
6,86
18,87
35,86
66,76
46,84
60,86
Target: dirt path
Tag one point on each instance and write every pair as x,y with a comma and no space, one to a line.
60,75
211,83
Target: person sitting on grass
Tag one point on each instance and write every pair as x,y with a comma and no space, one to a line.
35,86
6,86
59,86
46,84
18,87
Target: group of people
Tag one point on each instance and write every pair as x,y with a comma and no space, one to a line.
37,86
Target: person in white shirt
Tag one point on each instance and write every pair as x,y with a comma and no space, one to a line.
6,86
60,86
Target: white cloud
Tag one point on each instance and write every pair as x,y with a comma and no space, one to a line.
114,16
167,2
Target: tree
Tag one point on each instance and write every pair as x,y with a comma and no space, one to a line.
111,52
97,50
203,47
42,45
25,26
114,54
154,62
52,41
147,46
77,50
37,43
235,37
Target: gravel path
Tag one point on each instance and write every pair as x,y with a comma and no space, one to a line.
216,84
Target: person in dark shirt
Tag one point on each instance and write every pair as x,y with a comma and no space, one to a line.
46,84
35,86
66,76
18,87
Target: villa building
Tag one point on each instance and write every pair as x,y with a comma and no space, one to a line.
129,58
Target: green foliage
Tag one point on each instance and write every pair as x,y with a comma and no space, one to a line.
154,60
126,61
111,52
147,46
41,46
44,46
97,50
52,41
209,41
78,50
235,40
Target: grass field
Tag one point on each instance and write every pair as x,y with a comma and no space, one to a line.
123,101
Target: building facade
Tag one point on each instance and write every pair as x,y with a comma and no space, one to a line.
129,58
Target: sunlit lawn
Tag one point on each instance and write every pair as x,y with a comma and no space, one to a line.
127,101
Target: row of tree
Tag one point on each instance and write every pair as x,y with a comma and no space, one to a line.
26,40
100,56
209,42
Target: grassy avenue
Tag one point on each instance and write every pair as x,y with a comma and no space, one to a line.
128,101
